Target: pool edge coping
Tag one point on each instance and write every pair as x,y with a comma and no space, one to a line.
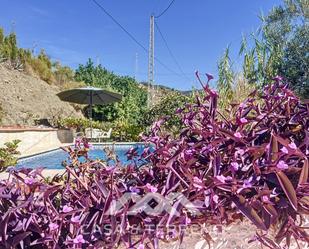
70,144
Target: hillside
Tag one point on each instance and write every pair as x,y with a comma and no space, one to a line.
25,98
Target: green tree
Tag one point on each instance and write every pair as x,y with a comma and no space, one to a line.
166,107
134,95
281,47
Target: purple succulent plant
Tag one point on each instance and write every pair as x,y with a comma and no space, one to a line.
258,170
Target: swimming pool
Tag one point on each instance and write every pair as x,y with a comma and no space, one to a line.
53,159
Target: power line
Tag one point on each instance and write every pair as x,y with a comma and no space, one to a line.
132,37
170,51
163,12
123,28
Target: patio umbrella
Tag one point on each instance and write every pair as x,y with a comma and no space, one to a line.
90,96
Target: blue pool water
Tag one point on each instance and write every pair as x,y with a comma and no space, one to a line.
54,159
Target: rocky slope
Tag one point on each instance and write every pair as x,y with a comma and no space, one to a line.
24,99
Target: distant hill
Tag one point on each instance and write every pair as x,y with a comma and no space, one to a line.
161,90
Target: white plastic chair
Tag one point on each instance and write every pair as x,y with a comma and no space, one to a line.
106,134
97,134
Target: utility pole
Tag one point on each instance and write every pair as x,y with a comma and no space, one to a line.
151,63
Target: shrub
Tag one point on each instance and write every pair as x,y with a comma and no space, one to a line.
256,163
80,123
166,107
8,154
126,132
42,66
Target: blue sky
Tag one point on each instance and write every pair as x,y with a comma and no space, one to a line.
197,32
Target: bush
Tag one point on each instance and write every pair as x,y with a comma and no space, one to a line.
80,124
167,107
8,155
123,131
256,163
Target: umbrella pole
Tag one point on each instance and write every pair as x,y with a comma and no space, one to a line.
91,101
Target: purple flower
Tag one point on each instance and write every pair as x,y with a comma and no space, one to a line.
240,152
206,149
235,165
79,239
278,78
242,105
53,226
188,220
237,134
134,189
157,124
282,165
75,219
188,154
223,179
140,246
151,188
243,120
215,198
247,183
30,181
293,146
67,209
284,150
197,182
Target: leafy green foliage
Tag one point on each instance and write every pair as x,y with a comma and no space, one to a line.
63,74
281,47
9,50
226,79
295,65
8,154
80,123
134,95
42,66
167,107
124,131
